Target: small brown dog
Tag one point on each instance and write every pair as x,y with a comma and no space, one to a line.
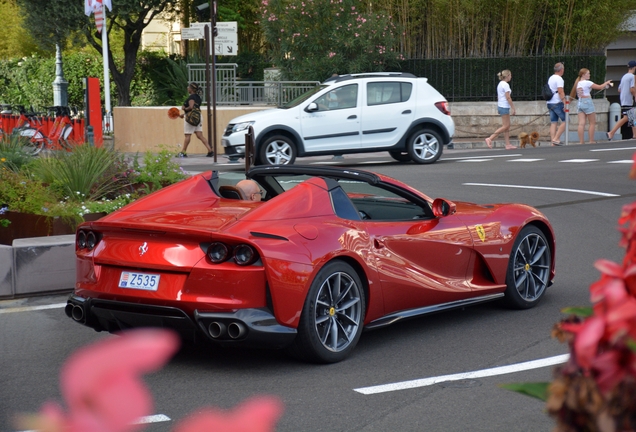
525,139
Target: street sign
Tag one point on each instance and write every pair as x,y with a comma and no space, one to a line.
226,43
192,33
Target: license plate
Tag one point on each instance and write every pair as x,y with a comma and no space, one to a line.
143,281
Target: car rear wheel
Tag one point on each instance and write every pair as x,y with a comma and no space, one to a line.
277,150
425,146
528,269
332,318
400,156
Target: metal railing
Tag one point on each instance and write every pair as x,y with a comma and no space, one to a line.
232,91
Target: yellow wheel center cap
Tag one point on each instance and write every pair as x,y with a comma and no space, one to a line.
332,311
527,267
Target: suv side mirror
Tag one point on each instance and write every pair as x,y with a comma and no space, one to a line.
312,107
443,207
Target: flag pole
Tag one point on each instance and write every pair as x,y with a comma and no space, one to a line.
108,118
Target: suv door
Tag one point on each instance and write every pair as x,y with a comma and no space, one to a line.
335,123
387,113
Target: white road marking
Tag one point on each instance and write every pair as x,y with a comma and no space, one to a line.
624,161
543,188
375,162
613,149
502,370
157,418
475,160
578,160
33,308
524,160
481,157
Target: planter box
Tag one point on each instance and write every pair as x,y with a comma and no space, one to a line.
27,225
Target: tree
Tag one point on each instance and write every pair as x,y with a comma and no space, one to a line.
14,40
53,22
313,39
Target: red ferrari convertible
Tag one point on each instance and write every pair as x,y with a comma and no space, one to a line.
327,253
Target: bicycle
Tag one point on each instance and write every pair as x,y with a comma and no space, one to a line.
56,138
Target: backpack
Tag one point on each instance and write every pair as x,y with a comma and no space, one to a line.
194,117
547,92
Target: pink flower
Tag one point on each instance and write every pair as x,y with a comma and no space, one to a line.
101,386
255,415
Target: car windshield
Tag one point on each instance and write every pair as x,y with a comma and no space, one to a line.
303,97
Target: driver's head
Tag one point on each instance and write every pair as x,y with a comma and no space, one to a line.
250,189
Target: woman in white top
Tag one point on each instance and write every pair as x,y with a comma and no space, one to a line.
505,108
582,90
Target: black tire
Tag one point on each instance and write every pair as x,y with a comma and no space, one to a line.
425,146
400,156
528,272
329,327
277,150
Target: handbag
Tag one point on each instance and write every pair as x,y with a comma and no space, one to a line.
193,117
547,92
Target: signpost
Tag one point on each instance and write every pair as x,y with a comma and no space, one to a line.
225,42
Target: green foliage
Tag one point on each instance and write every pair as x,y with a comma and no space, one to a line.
13,154
581,311
15,41
348,39
87,173
161,80
22,193
536,390
158,170
475,79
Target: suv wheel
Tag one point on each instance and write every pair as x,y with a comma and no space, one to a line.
277,150
425,146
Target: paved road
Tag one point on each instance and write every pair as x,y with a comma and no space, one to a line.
580,188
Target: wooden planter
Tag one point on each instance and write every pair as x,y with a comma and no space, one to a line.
27,225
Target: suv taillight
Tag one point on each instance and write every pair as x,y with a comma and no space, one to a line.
443,107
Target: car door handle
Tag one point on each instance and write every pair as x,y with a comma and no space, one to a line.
351,117
406,112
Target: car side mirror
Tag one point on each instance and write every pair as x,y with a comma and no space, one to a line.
443,207
312,107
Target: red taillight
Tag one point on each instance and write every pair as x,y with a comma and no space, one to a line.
443,107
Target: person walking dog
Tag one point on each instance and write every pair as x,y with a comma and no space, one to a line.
505,108
582,89
556,104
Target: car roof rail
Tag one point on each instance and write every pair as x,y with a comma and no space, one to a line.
338,78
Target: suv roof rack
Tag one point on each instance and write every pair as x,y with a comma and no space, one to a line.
338,78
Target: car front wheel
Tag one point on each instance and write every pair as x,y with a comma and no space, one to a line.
333,315
425,146
528,269
277,150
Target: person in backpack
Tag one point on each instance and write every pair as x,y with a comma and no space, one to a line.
556,104
193,102
627,94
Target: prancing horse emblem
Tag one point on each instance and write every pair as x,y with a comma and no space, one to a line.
481,232
143,249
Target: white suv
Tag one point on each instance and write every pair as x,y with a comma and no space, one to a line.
395,112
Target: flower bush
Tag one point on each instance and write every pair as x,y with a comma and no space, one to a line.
73,184
103,391
596,389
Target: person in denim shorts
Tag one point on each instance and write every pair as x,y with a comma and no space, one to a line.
505,107
555,105
582,90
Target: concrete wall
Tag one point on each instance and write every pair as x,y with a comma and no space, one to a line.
141,129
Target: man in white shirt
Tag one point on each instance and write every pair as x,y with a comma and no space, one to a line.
627,89
555,105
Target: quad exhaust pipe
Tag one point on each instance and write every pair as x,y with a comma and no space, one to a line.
74,311
234,330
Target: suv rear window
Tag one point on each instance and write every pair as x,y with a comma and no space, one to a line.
380,93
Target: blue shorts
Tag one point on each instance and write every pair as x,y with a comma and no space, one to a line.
586,105
556,112
503,111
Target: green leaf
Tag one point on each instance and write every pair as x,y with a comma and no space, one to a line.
536,390
580,311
